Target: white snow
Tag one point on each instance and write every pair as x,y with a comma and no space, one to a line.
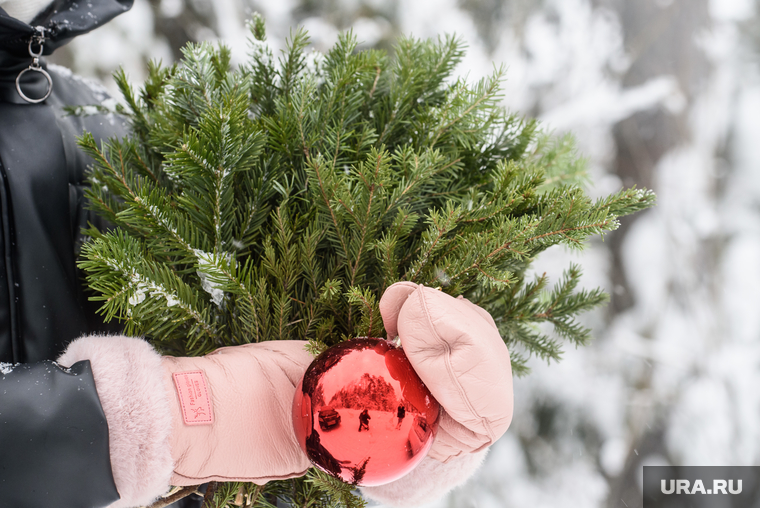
609,104
207,262
172,8
138,296
732,10
142,287
370,31
217,295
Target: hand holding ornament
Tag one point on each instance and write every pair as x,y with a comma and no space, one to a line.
455,348
245,431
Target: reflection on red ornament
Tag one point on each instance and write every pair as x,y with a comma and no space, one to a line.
362,414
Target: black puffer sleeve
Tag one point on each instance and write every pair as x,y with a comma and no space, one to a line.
53,438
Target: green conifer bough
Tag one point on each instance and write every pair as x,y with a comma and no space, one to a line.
278,201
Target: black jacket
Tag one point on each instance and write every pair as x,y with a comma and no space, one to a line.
53,434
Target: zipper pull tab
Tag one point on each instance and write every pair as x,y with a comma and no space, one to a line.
37,40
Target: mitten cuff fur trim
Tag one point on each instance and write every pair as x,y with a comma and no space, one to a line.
427,482
128,377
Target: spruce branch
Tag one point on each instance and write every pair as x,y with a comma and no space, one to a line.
175,496
278,201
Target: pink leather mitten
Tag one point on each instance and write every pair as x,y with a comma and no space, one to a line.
248,434
455,348
186,421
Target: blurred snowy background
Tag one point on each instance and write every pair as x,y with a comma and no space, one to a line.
663,94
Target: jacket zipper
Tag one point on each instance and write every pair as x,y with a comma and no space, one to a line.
9,267
39,38
46,32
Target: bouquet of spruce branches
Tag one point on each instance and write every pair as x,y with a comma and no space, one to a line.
278,200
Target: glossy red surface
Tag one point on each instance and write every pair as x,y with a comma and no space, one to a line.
362,414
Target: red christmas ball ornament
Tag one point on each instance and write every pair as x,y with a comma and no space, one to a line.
362,414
